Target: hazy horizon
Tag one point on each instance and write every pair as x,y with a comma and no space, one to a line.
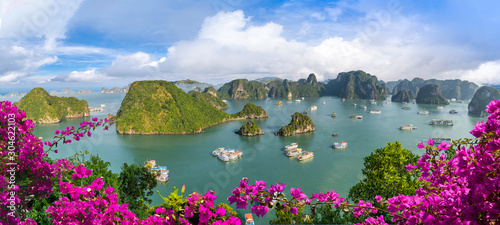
83,44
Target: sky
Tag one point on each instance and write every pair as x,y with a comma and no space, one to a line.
90,43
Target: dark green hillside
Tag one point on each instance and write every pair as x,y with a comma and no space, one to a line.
41,107
356,85
243,89
208,97
481,99
159,107
300,123
251,111
431,94
303,88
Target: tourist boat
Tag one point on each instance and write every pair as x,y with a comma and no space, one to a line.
441,122
312,108
249,219
343,99
354,116
339,145
353,104
388,103
375,111
302,98
439,107
362,106
297,100
334,115
373,102
294,152
334,135
407,127
423,112
95,109
291,146
269,100
162,174
324,103
223,157
453,100
453,111
279,103
217,151
439,140
460,101
406,108
102,105
307,155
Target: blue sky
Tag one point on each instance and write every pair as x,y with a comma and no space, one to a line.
90,43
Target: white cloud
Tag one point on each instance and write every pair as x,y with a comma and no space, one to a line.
17,62
486,73
91,75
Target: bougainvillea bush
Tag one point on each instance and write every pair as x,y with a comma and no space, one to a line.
463,189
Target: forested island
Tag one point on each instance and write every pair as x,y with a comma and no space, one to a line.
160,107
250,129
41,107
300,123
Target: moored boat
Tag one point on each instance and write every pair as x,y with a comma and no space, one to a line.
375,111
291,146
306,155
279,103
294,152
453,111
354,116
423,112
339,145
334,134
334,115
312,108
297,100
407,127
439,107
441,122
217,151
406,108
249,219
439,140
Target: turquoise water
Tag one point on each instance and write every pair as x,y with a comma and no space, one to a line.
188,157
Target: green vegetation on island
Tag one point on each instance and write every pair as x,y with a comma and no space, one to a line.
431,94
210,97
481,99
250,129
251,111
292,89
356,85
159,107
403,96
41,107
300,123
243,89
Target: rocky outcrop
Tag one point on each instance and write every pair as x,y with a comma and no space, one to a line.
251,111
250,129
242,89
293,89
481,99
300,123
457,89
356,85
431,94
402,96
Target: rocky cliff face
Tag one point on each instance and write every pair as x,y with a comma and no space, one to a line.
250,129
401,96
243,89
356,85
300,123
431,94
481,99
457,89
292,89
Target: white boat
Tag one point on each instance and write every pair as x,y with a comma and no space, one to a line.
353,104
423,112
388,103
297,100
375,111
373,102
217,151
312,108
339,145
354,116
302,98
362,106
453,111
441,122
294,152
223,157
307,155
439,140
440,107
324,103
291,146
407,127
406,108
102,105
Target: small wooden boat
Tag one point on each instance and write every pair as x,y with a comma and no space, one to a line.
334,135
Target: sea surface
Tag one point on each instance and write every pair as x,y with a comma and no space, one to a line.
189,159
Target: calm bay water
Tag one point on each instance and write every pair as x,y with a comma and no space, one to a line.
188,157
